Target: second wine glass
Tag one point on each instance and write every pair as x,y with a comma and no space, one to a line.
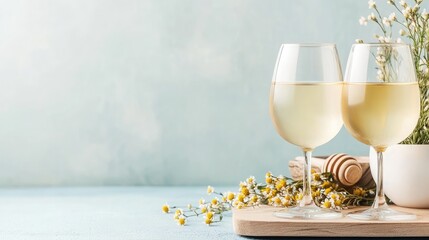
305,107
381,106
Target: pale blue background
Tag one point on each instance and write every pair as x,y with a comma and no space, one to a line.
153,92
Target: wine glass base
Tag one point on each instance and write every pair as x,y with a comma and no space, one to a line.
383,213
308,212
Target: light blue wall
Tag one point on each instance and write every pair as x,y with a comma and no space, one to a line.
153,92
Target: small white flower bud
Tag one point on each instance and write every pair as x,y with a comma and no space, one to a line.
363,21
380,75
392,17
387,22
391,2
406,12
372,17
402,32
371,4
403,3
359,41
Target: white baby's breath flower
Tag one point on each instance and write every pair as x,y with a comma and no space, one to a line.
403,3
363,21
380,75
371,4
416,8
406,12
380,59
379,51
391,2
372,17
387,22
392,17
402,32
387,39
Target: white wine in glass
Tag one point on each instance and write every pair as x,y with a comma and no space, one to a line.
381,107
305,107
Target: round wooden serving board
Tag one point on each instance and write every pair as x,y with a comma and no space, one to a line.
259,221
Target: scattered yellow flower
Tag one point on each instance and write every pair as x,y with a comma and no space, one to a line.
358,191
179,211
280,184
299,197
240,197
238,204
338,202
279,191
334,196
230,196
165,208
181,221
273,192
326,203
210,190
326,184
210,215
316,193
317,177
208,221
328,190
245,191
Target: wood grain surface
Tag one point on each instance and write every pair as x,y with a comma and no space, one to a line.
260,221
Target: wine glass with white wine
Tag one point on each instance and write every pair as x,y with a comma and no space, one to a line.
380,106
305,107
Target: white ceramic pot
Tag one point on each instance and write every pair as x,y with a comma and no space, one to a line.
406,174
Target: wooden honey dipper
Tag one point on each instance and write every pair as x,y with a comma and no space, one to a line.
345,168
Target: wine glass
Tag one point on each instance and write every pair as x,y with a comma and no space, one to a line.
305,107
380,106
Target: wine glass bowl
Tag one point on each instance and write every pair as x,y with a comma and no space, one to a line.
305,107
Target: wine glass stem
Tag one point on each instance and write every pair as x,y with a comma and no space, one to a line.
306,183
379,193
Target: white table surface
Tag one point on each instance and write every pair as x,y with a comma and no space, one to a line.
102,213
